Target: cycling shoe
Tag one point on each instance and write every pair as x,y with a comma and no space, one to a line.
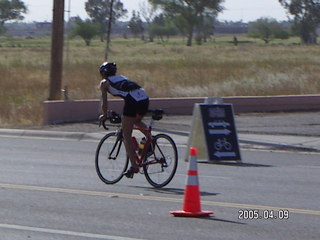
131,171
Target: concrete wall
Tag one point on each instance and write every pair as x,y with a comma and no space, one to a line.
86,110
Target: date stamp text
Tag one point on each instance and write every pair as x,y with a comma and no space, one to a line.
254,214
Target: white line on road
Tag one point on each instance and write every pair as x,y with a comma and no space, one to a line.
64,232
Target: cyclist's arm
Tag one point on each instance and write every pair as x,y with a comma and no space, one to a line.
104,85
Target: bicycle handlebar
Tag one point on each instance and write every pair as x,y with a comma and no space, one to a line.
104,125
113,117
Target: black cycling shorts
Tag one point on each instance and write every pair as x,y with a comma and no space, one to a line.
132,107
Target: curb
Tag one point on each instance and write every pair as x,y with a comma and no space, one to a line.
97,136
253,142
280,146
49,134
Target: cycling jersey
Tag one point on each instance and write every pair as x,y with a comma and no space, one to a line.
121,86
136,100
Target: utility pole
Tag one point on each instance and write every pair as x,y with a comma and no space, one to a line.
109,31
56,50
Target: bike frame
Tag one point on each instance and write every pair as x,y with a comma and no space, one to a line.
149,141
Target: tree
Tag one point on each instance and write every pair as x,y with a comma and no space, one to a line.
135,24
306,17
190,13
85,29
11,10
99,12
162,27
267,29
205,27
280,32
148,13
2,30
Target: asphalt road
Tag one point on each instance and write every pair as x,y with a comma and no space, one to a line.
49,190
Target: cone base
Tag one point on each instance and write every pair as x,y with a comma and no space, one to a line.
182,213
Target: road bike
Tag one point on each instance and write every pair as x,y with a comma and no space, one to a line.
157,155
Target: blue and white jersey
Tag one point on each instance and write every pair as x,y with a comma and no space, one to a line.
121,86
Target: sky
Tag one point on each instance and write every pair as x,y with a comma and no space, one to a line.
235,10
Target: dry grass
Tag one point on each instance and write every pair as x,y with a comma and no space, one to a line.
172,70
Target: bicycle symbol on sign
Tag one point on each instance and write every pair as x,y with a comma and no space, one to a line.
222,143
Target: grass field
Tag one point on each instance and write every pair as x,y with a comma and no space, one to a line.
216,68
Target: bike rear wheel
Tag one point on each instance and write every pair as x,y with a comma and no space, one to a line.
161,165
111,158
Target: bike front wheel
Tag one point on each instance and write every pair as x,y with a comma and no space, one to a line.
160,167
111,158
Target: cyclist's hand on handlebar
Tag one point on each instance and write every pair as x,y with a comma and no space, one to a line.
110,115
102,119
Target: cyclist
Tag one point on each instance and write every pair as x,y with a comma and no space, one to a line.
136,103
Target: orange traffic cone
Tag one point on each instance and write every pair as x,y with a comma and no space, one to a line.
192,205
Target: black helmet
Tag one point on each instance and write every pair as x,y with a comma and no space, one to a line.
108,69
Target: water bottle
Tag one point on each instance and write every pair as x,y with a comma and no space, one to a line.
142,145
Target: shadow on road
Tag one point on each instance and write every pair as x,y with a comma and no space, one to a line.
175,191
222,220
239,164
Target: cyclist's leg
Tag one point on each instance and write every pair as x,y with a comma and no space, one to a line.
133,112
127,127
142,126
128,121
141,110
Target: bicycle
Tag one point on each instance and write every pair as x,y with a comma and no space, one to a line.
157,157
